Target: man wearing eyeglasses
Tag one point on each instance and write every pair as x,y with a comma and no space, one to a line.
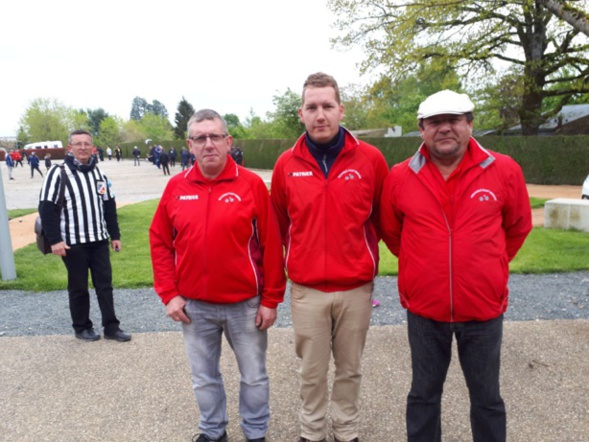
79,228
326,193
217,262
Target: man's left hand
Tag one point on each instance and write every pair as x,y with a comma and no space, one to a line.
265,317
116,245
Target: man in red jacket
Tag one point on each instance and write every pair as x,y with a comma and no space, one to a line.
455,214
326,192
218,267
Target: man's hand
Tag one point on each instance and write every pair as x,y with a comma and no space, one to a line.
60,248
265,317
116,245
175,309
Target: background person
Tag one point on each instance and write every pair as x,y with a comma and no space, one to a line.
455,214
34,163
326,192
9,165
218,268
80,232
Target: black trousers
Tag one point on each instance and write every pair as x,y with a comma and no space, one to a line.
96,258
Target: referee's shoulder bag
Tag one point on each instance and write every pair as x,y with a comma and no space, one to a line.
42,242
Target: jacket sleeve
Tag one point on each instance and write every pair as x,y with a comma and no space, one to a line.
161,242
391,222
110,216
272,250
517,213
278,197
381,171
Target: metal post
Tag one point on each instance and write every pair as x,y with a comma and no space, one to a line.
7,267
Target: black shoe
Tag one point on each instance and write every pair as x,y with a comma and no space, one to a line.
88,335
119,335
304,439
205,438
353,440
257,439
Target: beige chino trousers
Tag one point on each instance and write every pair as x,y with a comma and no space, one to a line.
325,324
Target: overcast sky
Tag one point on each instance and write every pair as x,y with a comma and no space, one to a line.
232,55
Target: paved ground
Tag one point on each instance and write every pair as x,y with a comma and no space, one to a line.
56,388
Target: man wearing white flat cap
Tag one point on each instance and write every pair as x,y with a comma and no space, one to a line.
454,214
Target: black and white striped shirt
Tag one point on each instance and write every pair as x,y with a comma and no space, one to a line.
89,210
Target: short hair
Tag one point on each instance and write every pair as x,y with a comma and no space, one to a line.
469,117
320,79
205,114
79,132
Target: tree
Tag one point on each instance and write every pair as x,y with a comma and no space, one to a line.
471,36
285,118
46,119
95,117
234,126
157,108
156,127
110,132
567,12
183,114
138,108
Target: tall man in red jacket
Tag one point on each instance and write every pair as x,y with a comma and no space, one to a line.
218,266
455,214
326,193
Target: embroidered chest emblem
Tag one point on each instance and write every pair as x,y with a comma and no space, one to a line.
229,197
483,195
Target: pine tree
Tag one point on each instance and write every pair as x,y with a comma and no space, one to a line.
185,111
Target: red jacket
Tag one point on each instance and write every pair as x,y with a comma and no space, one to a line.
454,247
330,225
217,240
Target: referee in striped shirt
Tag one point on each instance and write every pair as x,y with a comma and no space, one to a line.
80,234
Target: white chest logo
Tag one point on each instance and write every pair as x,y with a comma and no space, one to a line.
229,197
483,195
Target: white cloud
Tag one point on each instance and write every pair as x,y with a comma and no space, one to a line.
231,55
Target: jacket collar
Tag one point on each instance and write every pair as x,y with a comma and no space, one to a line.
480,156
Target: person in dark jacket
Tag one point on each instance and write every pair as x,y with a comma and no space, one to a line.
80,233
164,162
34,163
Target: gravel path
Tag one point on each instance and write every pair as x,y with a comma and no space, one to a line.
532,297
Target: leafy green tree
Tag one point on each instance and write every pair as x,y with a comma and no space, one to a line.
285,118
470,36
234,127
157,108
132,131
138,108
155,127
95,117
46,119
78,119
565,10
183,114
110,132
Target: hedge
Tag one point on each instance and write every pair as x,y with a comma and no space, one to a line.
544,159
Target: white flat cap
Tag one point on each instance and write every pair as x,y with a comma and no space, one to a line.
444,102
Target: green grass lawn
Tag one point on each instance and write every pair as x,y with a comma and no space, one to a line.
545,251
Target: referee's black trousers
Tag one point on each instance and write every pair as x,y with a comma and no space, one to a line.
96,258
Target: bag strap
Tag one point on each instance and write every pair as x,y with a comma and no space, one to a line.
62,181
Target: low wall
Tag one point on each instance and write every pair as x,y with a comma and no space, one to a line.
567,213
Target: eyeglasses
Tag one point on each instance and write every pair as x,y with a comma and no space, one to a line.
201,140
81,144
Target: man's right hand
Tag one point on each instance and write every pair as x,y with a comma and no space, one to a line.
175,309
59,249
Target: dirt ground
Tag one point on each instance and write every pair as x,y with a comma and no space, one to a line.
133,184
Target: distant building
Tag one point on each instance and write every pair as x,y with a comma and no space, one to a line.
572,119
389,132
